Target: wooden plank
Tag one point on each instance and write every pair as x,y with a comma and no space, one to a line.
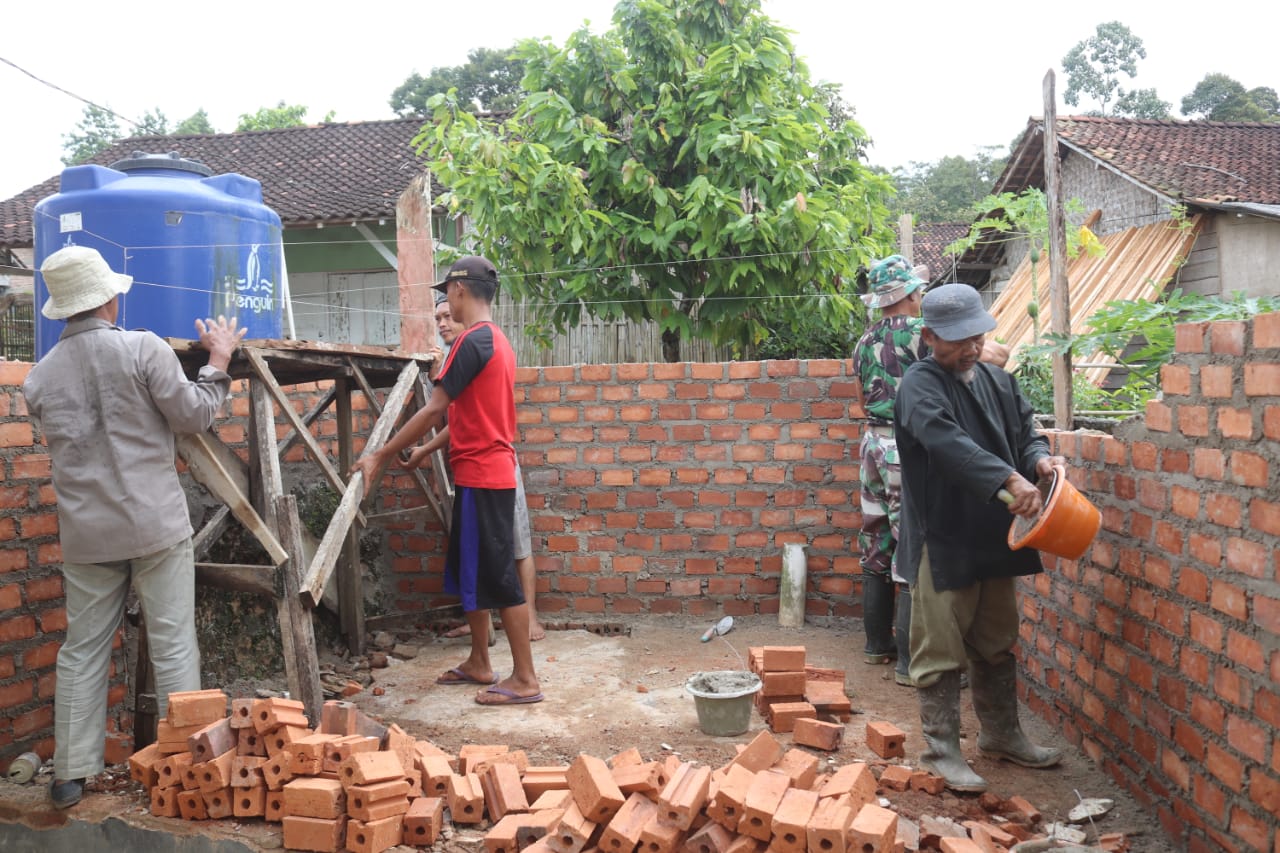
442,513
327,554
259,580
285,405
265,482
302,667
1059,295
202,460
350,581
211,532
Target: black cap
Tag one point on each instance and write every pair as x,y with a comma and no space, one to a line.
470,268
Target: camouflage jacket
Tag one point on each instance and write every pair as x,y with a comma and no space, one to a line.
883,353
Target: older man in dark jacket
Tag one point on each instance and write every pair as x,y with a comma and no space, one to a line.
965,435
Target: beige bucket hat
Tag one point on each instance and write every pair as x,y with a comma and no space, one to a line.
79,280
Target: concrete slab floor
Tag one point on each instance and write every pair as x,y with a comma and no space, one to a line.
604,694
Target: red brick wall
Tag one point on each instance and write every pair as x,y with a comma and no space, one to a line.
671,488
1159,653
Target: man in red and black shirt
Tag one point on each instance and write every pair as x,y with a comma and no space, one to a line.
476,388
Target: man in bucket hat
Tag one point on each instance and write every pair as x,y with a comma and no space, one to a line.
108,402
884,352
964,433
476,388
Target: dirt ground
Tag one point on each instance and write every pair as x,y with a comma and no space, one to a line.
621,684
606,693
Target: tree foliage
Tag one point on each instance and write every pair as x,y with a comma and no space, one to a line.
678,168
945,190
1093,68
96,130
281,115
194,125
1220,98
489,81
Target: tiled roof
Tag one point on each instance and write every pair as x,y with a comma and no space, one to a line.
928,240
322,173
1190,161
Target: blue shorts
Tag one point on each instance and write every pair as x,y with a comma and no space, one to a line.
481,568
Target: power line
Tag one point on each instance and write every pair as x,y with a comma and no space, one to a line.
58,88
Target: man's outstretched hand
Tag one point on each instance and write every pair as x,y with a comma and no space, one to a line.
220,337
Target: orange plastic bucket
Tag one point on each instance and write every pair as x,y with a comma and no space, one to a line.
1065,525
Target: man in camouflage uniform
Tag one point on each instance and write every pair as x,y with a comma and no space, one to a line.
883,353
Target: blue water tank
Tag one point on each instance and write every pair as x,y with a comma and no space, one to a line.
196,244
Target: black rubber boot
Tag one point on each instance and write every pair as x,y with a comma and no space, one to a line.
940,724
902,637
877,619
995,699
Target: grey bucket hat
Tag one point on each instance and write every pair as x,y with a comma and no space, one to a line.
954,312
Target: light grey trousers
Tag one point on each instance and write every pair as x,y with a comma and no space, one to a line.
95,594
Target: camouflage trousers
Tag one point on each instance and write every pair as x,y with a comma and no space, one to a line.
881,500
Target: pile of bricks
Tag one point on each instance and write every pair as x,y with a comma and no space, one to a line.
355,784
352,783
794,697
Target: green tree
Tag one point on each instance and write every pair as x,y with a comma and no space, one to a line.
281,115
945,190
489,81
96,130
153,123
1143,103
1093,68
196,124
1220,98
678,168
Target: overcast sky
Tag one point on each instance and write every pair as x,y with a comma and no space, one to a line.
927,79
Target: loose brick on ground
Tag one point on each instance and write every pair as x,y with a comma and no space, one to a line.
597,795
886,740
818,734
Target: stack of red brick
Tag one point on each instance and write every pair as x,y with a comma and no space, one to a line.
354,784
351,781
794,697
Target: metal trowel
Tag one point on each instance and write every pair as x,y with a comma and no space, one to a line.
719,629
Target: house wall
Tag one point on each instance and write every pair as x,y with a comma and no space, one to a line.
1248,249
671,488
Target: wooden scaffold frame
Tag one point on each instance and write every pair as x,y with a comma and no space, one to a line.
298,568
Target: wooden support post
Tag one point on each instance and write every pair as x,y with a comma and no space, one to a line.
1059,296
350,581
296,630
265,482
327,554
442,512
271,387
211,532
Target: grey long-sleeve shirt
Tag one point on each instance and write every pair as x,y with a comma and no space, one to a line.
958,443
109,402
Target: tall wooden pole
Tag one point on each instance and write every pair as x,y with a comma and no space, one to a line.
1059,297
